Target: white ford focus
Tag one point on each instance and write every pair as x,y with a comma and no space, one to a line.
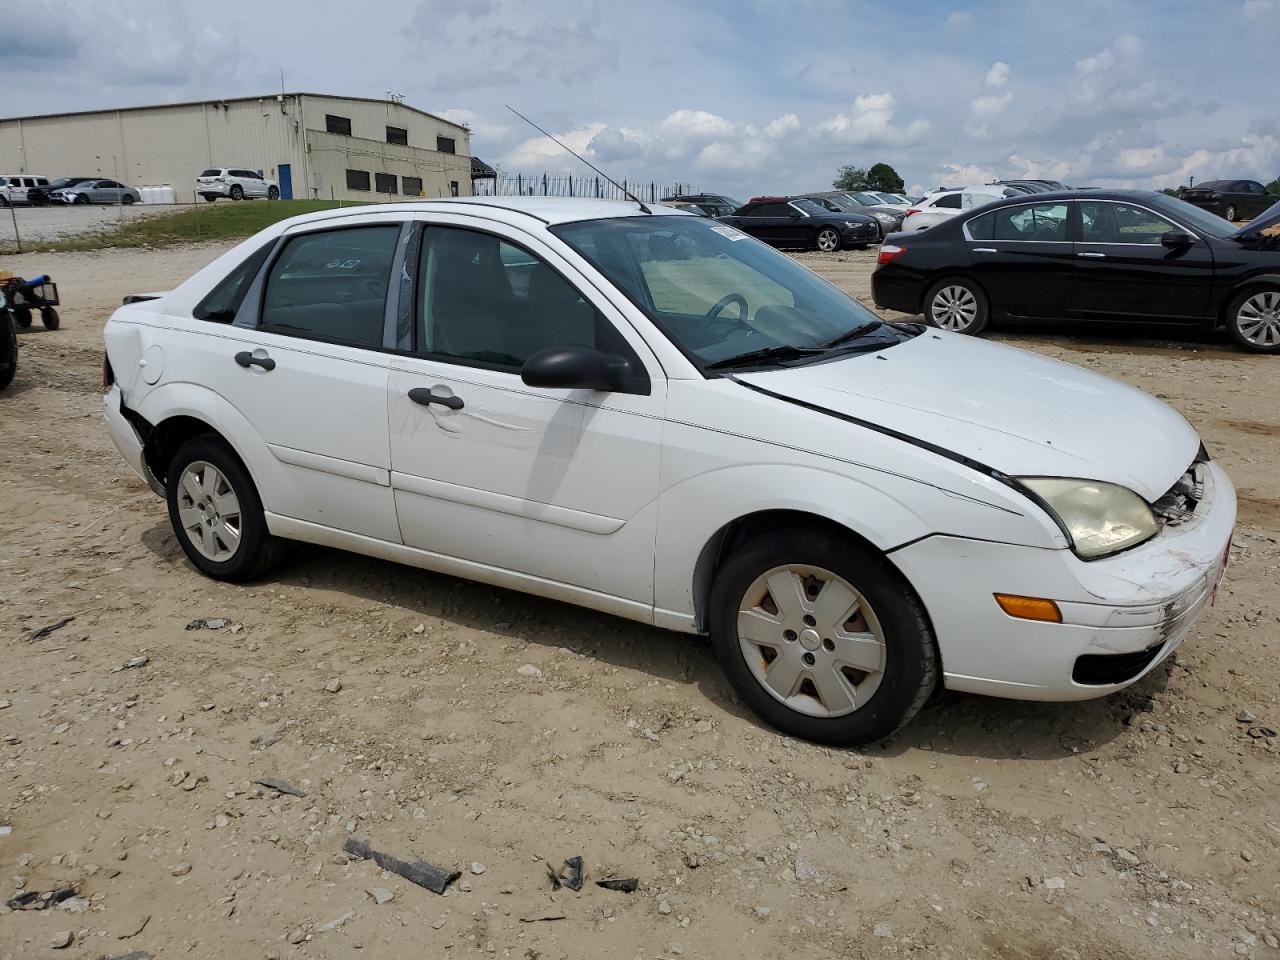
658,417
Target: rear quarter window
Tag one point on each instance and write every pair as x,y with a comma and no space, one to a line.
222,302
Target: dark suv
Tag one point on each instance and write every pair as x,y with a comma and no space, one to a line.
1233,199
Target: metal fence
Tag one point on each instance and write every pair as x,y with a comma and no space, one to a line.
544,185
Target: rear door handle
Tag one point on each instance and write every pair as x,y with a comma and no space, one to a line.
985,250
424,396
1094,254
247,359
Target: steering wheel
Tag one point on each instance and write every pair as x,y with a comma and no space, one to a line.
724,301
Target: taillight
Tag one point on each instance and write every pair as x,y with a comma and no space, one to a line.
108,375
910,212
888,253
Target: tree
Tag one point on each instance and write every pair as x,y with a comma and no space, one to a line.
851,178
879,177
884,177
1274,186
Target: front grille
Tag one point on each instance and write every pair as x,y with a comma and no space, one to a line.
1103,669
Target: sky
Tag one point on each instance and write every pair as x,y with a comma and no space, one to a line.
735,96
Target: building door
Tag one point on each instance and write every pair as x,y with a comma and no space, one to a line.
285,170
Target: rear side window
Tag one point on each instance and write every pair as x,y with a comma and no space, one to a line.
951,201
1032,221
211,173
221,303
332,285
983,227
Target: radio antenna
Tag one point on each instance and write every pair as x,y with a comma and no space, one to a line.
627,193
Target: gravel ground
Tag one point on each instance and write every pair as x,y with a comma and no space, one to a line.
465,725
43,224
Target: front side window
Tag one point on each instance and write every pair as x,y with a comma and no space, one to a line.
1120,223
1032,221
332,285
720,295
485,302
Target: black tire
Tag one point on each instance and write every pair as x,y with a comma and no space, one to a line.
911,662
4,201
127,199
1270,306
8,349
828,236
237,192
1230,212
209,197
81,198
257,550
22,316
935,309
273,193
49,317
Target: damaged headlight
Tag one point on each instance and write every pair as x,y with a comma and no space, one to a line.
1101,518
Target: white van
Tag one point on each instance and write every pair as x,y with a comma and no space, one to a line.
14,187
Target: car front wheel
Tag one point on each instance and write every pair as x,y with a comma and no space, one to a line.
1253,320
216,512
827,240
822,637
957,305
1230,212
273,193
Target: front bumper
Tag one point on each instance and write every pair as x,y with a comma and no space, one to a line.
1122,616
126,439
862,232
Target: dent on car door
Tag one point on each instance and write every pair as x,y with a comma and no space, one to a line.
557,484
1124,272
305,366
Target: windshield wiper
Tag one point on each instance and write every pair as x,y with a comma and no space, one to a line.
854,334
779,352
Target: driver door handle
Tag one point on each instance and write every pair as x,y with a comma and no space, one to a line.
1093,254
424,396
247,359
985,250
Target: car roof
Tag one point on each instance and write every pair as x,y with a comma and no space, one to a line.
550,210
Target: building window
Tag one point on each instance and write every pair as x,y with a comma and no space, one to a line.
453,188
335,124
357,179
398,135
446,145
412,186
385,182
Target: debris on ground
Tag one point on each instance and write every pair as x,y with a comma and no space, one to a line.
36,900
48,629
268,738
62,939
134,664
134,927
209,623
281,786
132,955
628,885
547,913
380,895
572,879
416,871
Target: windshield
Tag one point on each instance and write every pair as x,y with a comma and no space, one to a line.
890,198
718,294
1188,213
811,207
844,203
861,199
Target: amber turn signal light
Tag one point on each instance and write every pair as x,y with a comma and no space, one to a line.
1029,608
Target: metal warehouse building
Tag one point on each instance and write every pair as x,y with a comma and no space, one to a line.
312,144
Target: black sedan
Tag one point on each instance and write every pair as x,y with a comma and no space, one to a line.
40,196
1113,255
1233,199
802,223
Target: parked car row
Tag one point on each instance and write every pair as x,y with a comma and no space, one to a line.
1231,199
1099,255
235,183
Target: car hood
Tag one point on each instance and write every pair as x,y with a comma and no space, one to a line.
1023,414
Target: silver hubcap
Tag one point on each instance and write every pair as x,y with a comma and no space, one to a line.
209,511
954,308
1259,319
827,241
811,640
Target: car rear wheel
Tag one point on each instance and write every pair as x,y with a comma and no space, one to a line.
827,240
216,512
957,305
237,192
822,637
1253,320
1231,212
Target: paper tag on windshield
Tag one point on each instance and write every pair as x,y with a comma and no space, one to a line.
729,232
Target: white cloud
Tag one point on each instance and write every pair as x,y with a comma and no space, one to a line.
959,20
1260,9
781,126
478,125
871,122
998,75
538,154
961,175
992,104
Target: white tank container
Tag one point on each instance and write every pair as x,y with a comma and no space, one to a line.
166,194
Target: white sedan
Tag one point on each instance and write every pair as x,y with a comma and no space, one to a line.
651,414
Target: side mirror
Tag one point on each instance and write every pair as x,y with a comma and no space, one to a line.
1176,239
571,368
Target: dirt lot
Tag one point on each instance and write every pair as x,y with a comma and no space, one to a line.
473,726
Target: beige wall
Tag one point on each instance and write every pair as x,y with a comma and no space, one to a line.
172,145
